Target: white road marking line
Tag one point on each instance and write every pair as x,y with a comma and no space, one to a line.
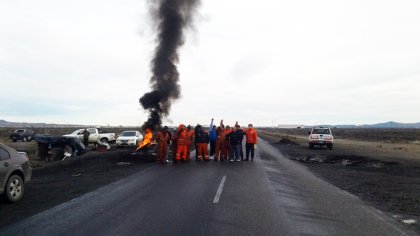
219,190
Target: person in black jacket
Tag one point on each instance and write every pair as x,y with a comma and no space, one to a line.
86,138
196,129
203,140
242,135
235,140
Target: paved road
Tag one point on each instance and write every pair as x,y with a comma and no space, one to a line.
270,196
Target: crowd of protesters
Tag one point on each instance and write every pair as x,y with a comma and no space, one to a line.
225,143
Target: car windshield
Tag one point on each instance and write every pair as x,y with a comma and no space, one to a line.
128,133
321,131
19,131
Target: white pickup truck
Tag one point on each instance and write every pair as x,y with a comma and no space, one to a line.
95,135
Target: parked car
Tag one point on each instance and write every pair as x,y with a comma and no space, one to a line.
15,172
129,138
95,135
321,136
25,135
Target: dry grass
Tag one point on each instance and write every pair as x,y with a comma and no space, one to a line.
378,149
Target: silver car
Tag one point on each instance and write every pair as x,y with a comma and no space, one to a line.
15,172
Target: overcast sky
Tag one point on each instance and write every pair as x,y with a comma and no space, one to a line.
264,62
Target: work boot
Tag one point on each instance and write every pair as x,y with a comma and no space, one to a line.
211,157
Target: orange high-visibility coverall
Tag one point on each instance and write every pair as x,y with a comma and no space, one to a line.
181,142
203,151
225,144
218,149
190,139
162,138
174,138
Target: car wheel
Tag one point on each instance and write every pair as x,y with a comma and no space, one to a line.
104,140
14,188
330,146
25,139
311,146
29,138
14,140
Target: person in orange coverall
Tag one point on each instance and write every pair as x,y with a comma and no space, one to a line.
225,143
162,138
190,139
219,142
251,142
181,143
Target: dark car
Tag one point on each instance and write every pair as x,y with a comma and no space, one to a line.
15,172
25,135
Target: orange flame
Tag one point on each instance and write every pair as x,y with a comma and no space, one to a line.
147,140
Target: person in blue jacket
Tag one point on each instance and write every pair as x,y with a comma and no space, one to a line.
213,141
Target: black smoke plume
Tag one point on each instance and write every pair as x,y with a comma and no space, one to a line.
172,17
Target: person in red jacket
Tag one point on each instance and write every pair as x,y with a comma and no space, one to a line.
162,139
251,142
181,143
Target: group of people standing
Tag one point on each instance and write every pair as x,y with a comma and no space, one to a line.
225,143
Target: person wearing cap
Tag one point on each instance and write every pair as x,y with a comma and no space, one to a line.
162,139
251,142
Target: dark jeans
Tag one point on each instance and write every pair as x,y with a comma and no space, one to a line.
249,148
236,152
212,147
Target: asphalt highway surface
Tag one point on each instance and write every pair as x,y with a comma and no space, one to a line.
269,196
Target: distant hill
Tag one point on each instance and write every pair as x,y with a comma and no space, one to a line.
4,123
386,125
394,125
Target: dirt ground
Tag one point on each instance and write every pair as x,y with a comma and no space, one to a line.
384,173
57,182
